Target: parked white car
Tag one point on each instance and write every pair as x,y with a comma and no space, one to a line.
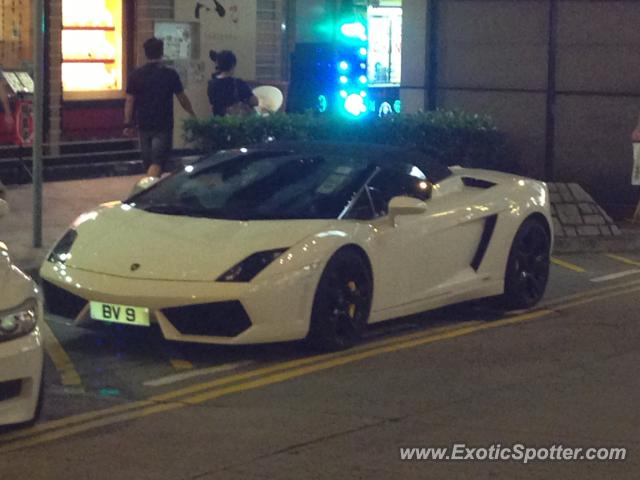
21,350
286,241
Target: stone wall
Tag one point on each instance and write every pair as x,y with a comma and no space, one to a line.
576,214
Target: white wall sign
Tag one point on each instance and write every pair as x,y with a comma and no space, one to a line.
177,37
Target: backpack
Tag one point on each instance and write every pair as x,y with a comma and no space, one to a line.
239,108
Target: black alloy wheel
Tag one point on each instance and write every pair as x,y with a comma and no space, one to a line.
527,270
342,302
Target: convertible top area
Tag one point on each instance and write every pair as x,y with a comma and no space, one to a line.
384,156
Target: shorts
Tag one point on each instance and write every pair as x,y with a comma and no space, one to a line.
155,147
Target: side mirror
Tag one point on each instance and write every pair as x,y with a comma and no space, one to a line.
4,208
406,206
143,184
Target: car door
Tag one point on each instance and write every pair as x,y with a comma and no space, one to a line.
419,256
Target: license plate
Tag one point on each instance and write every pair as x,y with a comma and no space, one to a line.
107,312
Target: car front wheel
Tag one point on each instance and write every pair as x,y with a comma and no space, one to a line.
342,302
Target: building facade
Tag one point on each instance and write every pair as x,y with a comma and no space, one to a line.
560,77
92,46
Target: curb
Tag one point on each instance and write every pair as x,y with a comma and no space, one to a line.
627,242
582,226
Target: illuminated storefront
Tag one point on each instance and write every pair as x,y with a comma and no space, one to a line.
86,61
95,52
385,45
384,64
92,49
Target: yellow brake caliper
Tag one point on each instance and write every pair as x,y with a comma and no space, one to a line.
352,306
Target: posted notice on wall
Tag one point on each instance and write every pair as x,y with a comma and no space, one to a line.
635,175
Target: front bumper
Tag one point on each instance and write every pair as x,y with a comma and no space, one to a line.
269,309
20,374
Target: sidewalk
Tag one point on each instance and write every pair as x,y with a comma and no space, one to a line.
64,201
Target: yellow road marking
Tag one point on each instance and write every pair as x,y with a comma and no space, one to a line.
293,364
83,427
568,265
84,417
551,303
277,377
72,420
119,409
179,364
274,374
595,297
337,362
622,259
60,358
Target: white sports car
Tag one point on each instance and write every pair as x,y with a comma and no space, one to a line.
21,354
291,241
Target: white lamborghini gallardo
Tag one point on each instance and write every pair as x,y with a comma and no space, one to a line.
293,241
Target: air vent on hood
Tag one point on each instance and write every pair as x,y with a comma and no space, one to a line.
477,183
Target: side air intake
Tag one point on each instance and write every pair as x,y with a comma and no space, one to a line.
477,183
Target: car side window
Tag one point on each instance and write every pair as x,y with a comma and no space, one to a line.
391,183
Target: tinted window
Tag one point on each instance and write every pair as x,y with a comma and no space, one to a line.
255,187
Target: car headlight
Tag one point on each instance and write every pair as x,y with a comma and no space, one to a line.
19,321
251,266
60,253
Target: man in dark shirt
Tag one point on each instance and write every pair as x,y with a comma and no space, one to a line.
225,90
150,92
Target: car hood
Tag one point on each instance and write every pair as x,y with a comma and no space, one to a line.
128,242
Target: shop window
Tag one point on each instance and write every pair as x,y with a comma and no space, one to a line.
385,45
92,49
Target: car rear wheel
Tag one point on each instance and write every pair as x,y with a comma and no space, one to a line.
527,270
342,302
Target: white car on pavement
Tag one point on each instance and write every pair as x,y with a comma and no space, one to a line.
286,241
21,350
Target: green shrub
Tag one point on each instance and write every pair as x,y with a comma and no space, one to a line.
450,138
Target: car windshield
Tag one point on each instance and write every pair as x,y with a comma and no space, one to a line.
259,186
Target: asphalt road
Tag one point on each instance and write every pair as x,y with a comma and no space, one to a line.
125,404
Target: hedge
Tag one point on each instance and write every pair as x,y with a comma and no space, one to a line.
448,137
